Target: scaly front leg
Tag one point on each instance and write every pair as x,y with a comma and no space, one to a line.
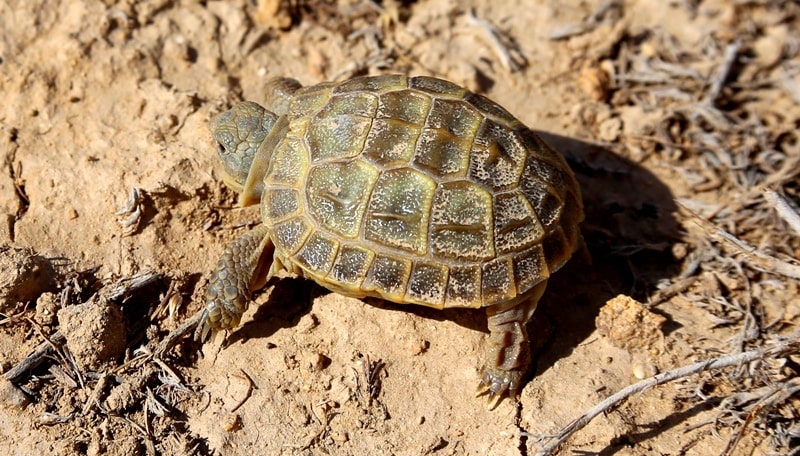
242,269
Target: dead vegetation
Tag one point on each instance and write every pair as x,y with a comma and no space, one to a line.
741,160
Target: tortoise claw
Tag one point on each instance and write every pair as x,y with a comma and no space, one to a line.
497,384
206,326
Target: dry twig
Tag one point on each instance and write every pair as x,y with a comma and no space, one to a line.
251,385
722,73
760,260
507,51
45,349
132,212
783,209
775,351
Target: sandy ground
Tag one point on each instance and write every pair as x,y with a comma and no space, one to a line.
679,118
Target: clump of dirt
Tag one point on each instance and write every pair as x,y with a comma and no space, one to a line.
24,275
95,333
629,325
47,306
11,396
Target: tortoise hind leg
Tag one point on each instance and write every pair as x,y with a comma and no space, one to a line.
509,354
245,267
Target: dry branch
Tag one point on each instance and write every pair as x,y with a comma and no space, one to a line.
45,349
775,351
757,258
783,209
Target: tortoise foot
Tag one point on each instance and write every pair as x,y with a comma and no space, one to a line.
497,384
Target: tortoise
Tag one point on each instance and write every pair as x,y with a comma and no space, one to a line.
410,189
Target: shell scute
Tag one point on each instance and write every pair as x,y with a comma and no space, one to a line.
516,224
351,265
372,85
427,284
340,129
498,157
391,142
437,87
318,253
336,197
399,209
404,105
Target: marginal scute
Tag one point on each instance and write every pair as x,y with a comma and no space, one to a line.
336,195
290,235
530,268
289,163
437,87
372,85
427,284
546,205
497,281
461,222
388,276
398,211
538,149
351,265
571,216
556,248
464,287
542,172
318,253
493,110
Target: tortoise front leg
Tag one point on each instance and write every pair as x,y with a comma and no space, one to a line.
509,353
243,268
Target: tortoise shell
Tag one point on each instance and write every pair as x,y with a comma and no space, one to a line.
415,190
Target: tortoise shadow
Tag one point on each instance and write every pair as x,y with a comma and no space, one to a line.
288,301
629,232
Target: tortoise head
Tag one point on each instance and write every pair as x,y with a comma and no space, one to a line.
240,133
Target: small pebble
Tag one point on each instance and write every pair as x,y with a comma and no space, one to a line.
644,370
312,361
46,309
232,423
11,396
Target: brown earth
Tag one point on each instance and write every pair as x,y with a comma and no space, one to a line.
679,118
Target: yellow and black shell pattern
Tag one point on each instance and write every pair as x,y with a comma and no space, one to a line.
415,190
